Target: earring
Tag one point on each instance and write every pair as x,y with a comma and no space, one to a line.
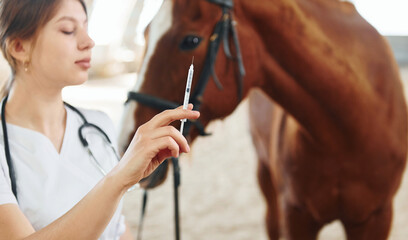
25,64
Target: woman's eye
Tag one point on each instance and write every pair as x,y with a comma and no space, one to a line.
190,42
67,32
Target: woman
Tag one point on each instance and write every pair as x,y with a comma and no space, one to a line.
60,193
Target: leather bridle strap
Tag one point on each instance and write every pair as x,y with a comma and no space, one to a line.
222,30
223,3
151,101
161,105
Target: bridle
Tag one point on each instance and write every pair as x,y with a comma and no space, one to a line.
223,30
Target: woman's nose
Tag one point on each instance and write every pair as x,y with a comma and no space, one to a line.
86,42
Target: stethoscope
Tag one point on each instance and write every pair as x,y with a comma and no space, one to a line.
85,125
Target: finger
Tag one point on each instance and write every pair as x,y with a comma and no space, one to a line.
163,155
172,132
190,106
166,117
165,144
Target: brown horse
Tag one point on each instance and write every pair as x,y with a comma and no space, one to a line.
328,115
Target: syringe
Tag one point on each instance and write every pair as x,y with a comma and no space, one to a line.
187,92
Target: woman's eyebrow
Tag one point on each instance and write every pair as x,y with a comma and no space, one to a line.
72,19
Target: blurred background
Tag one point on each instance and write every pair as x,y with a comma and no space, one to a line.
219,195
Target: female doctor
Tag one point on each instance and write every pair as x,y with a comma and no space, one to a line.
59,189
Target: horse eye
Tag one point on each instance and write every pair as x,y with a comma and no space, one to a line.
190,42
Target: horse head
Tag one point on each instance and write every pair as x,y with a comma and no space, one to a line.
207,31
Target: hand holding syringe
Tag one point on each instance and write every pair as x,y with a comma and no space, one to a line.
187,92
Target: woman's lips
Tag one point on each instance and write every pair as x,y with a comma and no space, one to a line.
84,63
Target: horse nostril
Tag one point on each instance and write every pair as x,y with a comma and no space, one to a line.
190,42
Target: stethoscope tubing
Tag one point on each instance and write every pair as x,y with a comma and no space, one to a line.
83,140
7,148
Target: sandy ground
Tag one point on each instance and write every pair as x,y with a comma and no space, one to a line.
219,195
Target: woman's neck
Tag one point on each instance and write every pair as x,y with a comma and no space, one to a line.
38,109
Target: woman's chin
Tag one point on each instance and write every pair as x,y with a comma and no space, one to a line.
75,82
82,78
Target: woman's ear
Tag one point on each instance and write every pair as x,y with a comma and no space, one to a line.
20,50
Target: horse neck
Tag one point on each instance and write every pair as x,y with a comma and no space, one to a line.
306,65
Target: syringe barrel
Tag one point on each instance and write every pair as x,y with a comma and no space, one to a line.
188,86
187,92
